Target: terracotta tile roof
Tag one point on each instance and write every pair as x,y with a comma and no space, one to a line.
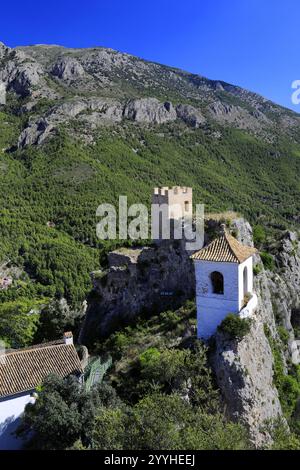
225,249
23,369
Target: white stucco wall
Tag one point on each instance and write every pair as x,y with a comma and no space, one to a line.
213,308
11,410
248,310
248,264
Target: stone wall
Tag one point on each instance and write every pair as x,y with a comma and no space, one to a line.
138,280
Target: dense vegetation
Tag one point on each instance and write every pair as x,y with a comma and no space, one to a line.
156,396
159,394
63,183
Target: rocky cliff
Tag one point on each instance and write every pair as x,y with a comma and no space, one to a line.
245,369
158,278
244,372
100,86
138,280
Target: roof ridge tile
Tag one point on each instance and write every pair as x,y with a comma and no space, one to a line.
225,248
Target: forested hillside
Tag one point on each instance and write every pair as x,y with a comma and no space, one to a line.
81,127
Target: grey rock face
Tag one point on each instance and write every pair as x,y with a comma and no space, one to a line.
150,110
36,133
220,108
26,77
284,286
243,230
2,93
68,69
141,279
94,111
219,86
244,373
190,115
279,293
3,50
103,111
240,117
20,73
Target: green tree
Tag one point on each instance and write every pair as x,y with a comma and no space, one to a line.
109,429
179,370
64,413
259,234
162,422
57,317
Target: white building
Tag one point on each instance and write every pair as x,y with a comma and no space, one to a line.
224,275
21,371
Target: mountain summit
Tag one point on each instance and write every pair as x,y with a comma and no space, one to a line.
99,86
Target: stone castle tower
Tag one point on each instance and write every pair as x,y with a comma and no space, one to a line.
178,206
224,275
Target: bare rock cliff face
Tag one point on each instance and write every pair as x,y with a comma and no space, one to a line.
142,90
244,371
148,279
284,286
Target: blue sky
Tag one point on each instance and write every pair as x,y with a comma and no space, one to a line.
251,43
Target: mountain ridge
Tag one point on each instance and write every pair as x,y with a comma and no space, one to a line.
171,67
80,128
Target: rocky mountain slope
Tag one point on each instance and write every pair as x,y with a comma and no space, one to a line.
248,369
82,126
100,86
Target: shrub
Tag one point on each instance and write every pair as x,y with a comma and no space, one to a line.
235,327
268,261
283,334
257,269
149,358
259,234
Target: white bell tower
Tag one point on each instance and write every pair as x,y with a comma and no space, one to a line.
224,281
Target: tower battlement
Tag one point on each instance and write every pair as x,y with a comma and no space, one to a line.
174,191
179,200
176,204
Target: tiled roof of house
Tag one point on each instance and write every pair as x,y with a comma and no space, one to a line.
225,249
24,369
